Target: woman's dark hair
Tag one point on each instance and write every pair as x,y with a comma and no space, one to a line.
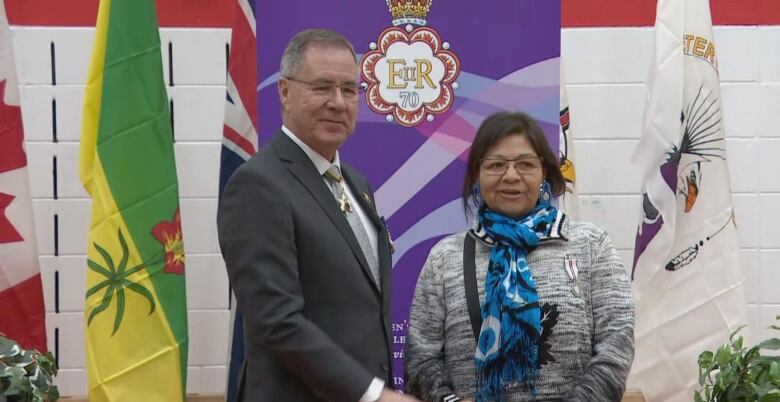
502,125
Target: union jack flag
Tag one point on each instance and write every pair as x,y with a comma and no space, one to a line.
239,139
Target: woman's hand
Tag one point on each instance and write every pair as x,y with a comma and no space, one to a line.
389,395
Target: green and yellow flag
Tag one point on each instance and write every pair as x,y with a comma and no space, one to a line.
136,310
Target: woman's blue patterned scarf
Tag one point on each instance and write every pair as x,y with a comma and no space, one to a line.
508,345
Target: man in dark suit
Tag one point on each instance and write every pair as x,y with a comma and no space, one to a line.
307,255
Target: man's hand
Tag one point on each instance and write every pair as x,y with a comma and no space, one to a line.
388,395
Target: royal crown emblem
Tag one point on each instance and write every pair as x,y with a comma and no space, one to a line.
409,11
409,73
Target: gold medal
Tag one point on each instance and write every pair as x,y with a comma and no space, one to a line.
344,203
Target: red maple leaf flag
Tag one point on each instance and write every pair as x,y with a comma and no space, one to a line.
21,293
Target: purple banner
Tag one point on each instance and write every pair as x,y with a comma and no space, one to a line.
435,78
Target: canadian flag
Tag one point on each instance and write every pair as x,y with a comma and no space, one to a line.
22,313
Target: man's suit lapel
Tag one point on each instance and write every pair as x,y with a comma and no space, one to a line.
303,169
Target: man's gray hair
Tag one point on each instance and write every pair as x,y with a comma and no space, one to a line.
293,53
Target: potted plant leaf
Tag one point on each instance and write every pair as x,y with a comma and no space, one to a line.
738,373
26,375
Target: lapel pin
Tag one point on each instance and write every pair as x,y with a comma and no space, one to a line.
366,197
570,265
389,236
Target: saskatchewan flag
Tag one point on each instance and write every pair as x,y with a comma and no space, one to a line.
136,310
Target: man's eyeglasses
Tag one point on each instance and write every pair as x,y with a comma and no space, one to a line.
349,91
524,165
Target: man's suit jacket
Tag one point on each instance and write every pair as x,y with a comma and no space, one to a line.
317,327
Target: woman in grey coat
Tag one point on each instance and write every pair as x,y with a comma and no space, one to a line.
547,298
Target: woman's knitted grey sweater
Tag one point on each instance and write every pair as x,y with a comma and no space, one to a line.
587,332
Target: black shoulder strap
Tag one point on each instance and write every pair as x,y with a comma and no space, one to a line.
470,280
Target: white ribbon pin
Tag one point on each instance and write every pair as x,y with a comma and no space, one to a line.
570,265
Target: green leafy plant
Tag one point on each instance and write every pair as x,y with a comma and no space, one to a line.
738,373
26,375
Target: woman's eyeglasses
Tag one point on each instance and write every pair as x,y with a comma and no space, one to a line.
524,165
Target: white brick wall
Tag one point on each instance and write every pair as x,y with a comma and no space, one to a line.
605,67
